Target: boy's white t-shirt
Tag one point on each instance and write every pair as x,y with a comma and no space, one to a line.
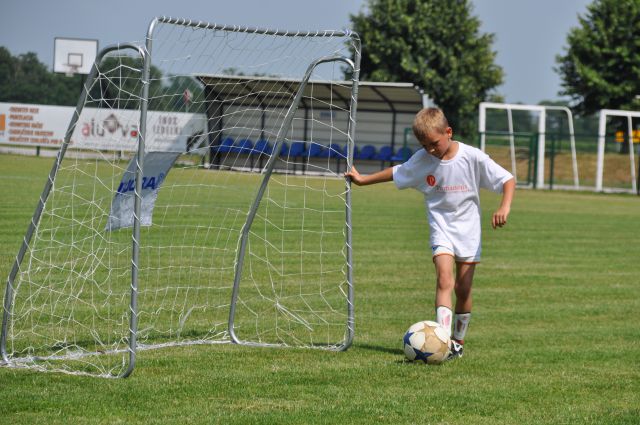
451,190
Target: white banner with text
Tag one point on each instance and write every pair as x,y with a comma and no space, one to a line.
114,129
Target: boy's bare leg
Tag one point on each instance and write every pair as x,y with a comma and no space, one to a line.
445,282
464,280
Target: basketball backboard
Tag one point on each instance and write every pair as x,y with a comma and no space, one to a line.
74,55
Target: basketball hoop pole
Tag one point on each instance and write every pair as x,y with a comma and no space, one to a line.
73,70
83,78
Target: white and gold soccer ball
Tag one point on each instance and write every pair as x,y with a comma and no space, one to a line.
427,342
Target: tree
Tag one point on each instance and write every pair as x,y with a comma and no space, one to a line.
6,71
25,79
435,44
601,66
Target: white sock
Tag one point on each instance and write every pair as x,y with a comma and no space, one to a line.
461,324
443,317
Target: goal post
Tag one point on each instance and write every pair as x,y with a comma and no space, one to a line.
268,170
541,110
159,225
631,181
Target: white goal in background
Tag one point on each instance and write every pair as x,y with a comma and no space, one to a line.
627,175
201,216
540,147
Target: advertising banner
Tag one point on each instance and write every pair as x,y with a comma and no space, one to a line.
33,125
118,130
102,129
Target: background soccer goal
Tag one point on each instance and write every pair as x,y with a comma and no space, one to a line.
611,165
527,147
198,198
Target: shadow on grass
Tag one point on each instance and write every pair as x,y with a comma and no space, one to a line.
401,360
379,348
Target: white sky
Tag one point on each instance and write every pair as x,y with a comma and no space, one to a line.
529,33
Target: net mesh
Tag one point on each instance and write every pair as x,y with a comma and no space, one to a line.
218,99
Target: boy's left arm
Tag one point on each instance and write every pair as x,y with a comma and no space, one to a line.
499,217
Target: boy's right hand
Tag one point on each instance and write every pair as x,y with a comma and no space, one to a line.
354,176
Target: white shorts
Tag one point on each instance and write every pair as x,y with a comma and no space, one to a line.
437,250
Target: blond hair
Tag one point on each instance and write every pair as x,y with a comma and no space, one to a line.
429,120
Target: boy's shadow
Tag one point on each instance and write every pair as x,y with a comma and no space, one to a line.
379,348
397,351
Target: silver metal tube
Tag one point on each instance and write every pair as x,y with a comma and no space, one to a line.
135,243
238,28
351,322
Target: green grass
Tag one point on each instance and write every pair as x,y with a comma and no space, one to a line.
554,337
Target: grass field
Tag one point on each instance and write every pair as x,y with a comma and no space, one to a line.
554,338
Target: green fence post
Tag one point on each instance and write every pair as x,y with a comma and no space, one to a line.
552,160
531,165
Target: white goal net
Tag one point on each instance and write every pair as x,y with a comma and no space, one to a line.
199,199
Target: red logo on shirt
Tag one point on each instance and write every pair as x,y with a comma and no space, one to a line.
431,180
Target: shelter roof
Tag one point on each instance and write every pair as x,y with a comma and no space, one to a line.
271,92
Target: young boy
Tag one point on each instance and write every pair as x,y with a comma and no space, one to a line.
450,174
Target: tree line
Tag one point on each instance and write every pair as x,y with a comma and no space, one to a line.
24,79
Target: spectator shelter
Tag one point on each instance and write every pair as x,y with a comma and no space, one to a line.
385,112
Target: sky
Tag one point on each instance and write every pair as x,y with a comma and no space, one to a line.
528,33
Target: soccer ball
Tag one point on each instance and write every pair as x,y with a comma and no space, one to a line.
427,342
